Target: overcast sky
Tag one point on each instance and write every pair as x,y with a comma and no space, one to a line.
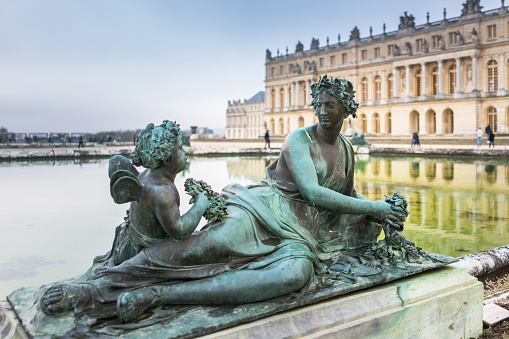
96,65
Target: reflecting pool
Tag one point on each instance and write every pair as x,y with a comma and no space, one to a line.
56,216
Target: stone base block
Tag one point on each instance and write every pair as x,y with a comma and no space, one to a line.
10,327
443,303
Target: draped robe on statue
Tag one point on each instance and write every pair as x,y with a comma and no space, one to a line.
267,224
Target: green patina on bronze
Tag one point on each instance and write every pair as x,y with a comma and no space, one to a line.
302,235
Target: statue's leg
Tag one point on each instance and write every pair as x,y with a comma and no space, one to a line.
232,287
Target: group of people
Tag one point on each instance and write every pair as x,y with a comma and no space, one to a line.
489,135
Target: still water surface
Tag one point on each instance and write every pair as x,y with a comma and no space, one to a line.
56,216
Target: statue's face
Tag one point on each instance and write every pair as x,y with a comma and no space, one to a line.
329,110
179,158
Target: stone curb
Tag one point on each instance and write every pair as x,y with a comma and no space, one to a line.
484,262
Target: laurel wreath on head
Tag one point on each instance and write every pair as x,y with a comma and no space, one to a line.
341,89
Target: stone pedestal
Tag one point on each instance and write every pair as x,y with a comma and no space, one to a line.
443,303
10,327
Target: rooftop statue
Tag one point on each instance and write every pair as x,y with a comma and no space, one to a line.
355,34
299,47
406,21
302,233
268,54
471,7
315,43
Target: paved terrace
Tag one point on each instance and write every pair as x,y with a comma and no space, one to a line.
436,146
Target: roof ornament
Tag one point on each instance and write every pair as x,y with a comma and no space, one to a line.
406,21
355,34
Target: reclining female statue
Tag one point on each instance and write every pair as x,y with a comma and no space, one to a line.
274,241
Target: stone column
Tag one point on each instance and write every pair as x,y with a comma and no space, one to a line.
439,124
440,77
502,75
407,89
278,96
383,88
308,91
395,85
423,80
457,88
293,94
287,96
371,93
474,72
297,93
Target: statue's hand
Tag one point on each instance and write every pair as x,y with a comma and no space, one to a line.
201,200
392,215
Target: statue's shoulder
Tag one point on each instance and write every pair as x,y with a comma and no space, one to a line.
347,142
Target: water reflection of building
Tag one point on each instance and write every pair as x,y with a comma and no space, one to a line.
250,168
455,206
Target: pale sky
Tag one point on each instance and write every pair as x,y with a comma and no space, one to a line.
97,65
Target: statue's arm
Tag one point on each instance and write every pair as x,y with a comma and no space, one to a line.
167,212
300,164
360,196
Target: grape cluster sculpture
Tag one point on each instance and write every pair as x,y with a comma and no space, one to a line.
217,211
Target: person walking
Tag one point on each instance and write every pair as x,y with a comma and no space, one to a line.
487,130
479,137
80,142
415,140
491,139
267,139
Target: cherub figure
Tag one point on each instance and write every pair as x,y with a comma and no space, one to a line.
154,211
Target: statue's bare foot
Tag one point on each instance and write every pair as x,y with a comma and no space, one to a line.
130,305
60,298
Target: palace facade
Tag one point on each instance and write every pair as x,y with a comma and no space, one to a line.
244,119
439,78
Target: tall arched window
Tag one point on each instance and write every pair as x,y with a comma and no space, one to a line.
434,80
492,76
414,121
364,89
448,121
418,88
378,88
452,79
287,125
281,126
273,98
492,118
431,122
390,86
272,127
301,122
376,123
388,123
282,98
364,124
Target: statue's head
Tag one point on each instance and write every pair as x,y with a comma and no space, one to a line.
155,145
339,88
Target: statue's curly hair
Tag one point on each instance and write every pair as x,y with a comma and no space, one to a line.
155,144
341,89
